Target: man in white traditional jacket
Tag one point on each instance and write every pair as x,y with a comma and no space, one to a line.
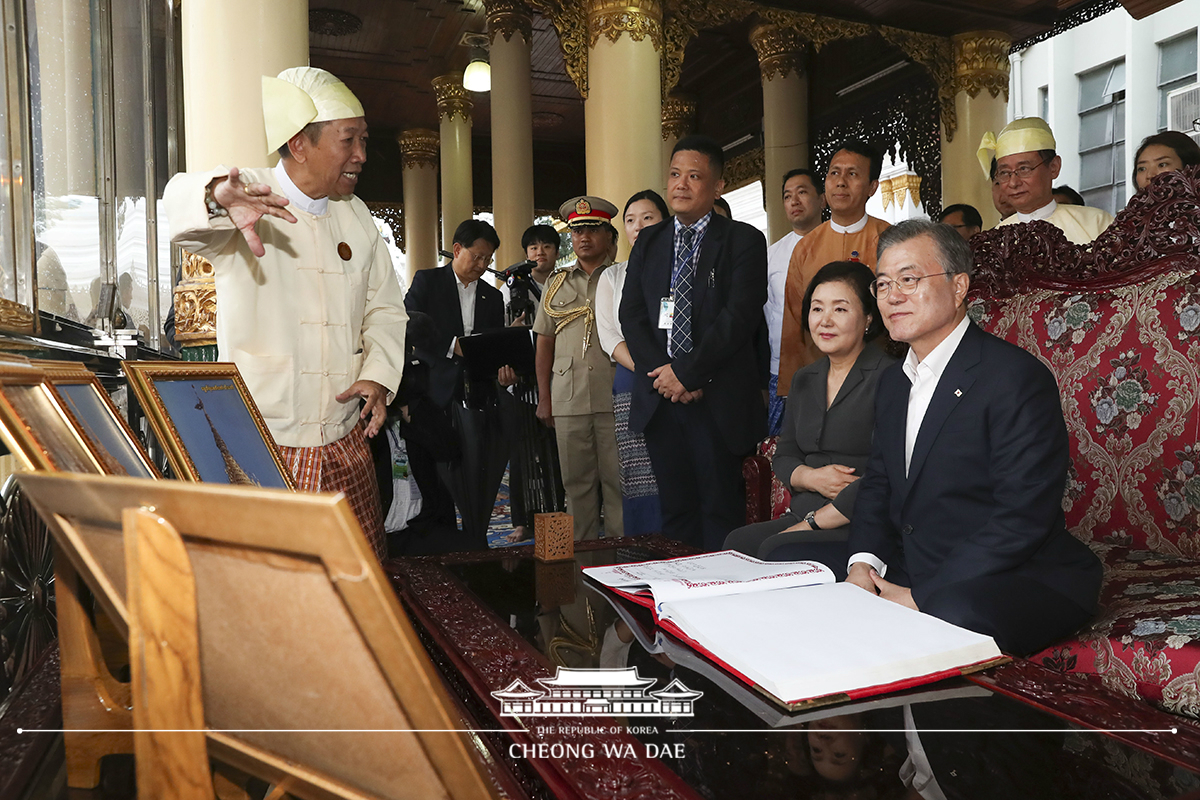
308,303
1026,166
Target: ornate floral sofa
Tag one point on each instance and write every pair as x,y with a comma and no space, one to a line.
1119,325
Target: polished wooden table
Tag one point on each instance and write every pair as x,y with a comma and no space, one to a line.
490,618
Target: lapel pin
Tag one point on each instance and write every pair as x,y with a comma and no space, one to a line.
343,250
958,392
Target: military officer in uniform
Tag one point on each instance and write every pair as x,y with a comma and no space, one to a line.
575,376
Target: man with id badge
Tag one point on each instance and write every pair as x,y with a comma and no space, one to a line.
693,300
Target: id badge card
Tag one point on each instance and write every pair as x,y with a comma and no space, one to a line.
666,313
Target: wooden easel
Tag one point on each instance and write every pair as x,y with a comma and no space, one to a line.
309,673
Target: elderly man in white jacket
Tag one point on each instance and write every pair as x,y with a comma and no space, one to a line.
308,303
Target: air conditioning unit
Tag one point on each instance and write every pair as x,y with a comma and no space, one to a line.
1183,111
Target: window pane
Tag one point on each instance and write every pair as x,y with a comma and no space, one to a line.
1099,198
1095,128
1119,122
1095,169
1044,102
1177,58
1166,89
1120,168
1091,87
62,72
1116,80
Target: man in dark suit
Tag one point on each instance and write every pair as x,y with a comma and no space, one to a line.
691,305
960,510
458,303
454,296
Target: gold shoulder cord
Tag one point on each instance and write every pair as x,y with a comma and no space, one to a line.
566,317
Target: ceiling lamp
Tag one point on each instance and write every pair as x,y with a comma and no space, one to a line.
477,77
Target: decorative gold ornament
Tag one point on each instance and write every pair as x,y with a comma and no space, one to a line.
508,17
393,215
684,18
780,50
452,98
908,183
638,18
195,267
678,117
936,54
196,303
885,192
419,148
981,62
16,317
745,169
570,20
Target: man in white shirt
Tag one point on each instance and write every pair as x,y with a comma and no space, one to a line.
803,203
310,309
959,513
1026,167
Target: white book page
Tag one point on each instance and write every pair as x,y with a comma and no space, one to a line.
708,575
819,640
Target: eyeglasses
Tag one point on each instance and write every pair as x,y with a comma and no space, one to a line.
905,284
1022,172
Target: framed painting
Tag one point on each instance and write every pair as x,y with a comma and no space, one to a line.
34,425
207,423
90,409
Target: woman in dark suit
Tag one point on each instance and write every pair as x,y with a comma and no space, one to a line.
826,436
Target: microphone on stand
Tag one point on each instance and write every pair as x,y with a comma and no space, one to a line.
523,267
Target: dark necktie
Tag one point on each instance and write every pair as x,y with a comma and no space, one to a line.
685,272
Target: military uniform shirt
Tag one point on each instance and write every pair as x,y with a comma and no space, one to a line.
581,383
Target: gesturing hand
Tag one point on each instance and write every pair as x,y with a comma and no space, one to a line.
374,396
247,203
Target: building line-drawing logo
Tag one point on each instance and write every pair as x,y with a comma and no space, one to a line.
596,692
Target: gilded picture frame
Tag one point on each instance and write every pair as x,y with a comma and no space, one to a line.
34,425
207,423
92,412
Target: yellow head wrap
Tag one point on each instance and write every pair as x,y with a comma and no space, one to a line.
301,95
1018,136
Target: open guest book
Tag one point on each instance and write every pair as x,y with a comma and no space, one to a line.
789,631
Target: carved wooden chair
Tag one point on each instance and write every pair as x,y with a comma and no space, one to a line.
293,656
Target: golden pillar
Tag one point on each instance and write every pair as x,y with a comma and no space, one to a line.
419,154
678,120
980,90
781,62
221,82
510,29
623,109
454,110
227,45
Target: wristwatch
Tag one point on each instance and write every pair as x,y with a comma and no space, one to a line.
811,519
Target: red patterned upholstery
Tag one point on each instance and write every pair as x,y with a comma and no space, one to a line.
1120,329
766,497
